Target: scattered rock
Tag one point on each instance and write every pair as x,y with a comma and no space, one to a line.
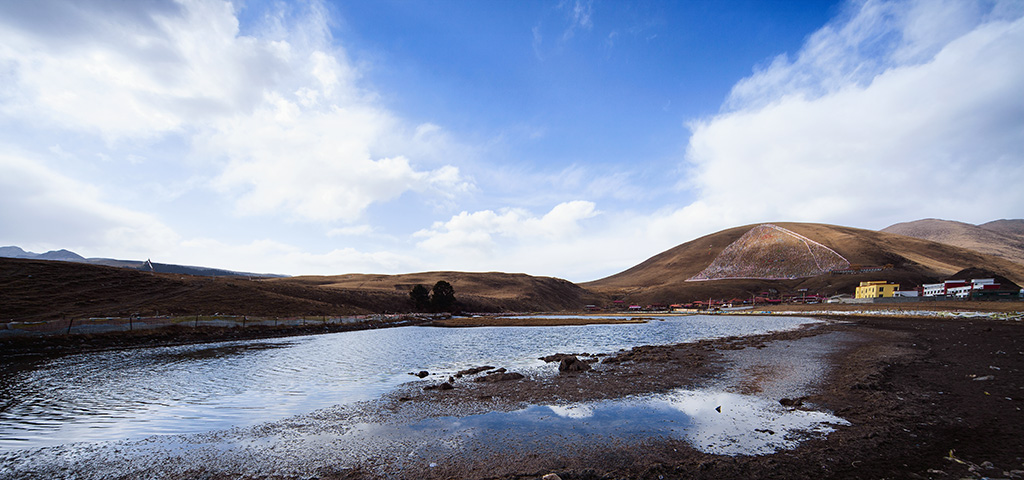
558,357
572,364
791,402
440,386
985,378
422,374
718,409
765,430
500,376
472,371
551,476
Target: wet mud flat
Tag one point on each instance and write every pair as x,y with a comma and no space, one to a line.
906,393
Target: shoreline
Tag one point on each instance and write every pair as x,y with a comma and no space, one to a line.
921,397
63,344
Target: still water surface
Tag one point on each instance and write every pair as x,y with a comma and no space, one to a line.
138,393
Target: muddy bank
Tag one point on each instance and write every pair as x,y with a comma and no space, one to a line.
911,390
924,398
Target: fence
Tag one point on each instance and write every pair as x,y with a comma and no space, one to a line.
125,324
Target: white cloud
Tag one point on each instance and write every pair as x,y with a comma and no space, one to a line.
355,230
42,209
923,130
867,39
159,71
279,112
477,230
512,238
283,258
316,164
578,14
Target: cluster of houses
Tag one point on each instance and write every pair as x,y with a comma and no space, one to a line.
972,289
975,288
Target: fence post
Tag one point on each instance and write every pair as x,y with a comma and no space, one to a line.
196,325
130,318
64,316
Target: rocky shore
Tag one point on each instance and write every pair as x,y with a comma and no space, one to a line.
921,398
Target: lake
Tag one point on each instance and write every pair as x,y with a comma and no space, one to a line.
139,393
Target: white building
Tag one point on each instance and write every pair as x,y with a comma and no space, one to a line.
960,291
934,289
959,288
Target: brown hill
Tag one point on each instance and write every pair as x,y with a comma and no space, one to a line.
663,278
491,291
1002,238
1007,227
771,252
38,290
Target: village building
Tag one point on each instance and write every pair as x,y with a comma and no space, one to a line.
877,289
960,288
934,289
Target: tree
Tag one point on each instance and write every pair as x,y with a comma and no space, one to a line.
443,296
421,297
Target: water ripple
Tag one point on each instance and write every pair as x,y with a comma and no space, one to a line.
137,393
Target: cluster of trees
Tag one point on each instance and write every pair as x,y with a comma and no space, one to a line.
440,299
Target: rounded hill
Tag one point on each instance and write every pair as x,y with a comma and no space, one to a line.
664,278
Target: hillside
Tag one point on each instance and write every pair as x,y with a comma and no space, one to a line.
1002,238
489,291
37,290
664,277
771,252
1008,227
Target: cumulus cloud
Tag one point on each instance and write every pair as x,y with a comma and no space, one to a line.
512,231
316,164
138,70
278,113
895,111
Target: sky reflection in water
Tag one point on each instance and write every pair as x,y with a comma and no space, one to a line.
746,425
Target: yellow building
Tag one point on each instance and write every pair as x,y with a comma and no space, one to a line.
876,289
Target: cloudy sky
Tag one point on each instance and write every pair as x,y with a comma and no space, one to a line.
563,138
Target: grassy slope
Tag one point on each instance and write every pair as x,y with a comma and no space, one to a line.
999,238
662,278
37,289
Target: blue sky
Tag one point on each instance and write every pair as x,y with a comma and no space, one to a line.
570,139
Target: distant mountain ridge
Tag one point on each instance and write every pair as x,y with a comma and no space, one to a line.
64,255
147,265
1001,238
